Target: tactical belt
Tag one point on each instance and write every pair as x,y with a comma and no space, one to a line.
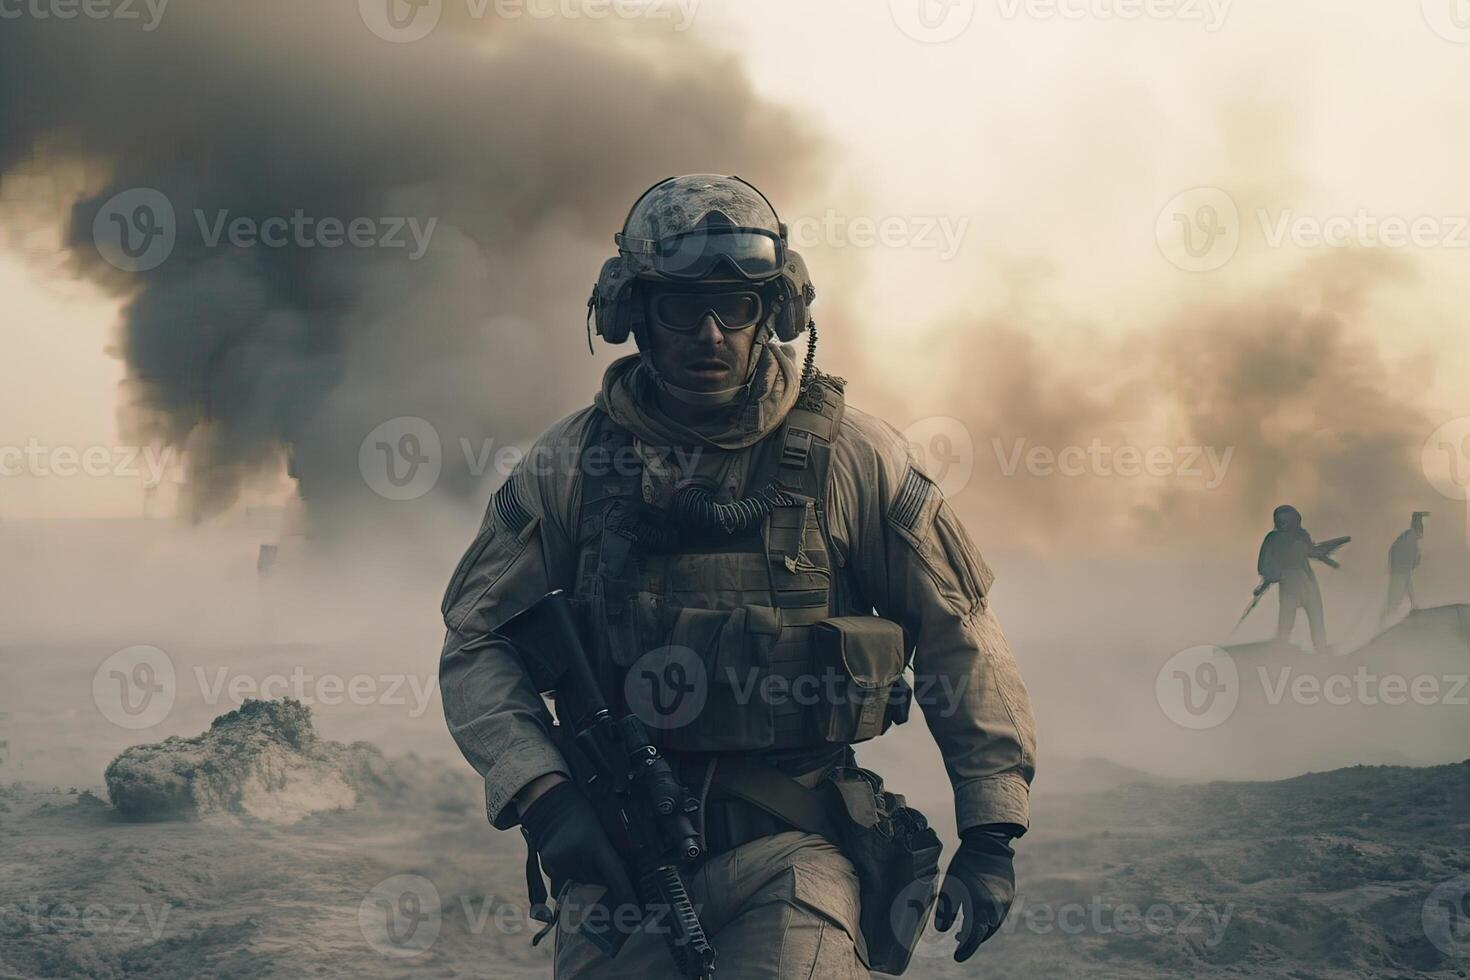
748,801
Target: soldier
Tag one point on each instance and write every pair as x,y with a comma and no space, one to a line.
1403,558
1284,560
722,501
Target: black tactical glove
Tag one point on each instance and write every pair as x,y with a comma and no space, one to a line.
563,828
981,881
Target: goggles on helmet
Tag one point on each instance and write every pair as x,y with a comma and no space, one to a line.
714,253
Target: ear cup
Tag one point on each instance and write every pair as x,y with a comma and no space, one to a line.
613,303
795,294
789,315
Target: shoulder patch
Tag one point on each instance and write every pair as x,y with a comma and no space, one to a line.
510,506
915,502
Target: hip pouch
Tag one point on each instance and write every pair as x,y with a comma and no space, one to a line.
896,855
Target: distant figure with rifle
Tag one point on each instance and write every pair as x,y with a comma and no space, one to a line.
1285,561
723,577
1403,558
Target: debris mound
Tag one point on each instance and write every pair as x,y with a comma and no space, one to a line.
262,761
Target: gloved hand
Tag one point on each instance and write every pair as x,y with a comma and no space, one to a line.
564,829
981,882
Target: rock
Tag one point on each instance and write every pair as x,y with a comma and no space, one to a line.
263,761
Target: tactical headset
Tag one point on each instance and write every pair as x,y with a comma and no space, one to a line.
617,304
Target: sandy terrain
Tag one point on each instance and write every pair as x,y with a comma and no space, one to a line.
1326,875
1317,876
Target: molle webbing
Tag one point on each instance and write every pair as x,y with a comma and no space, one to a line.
606,570
796,545
608,494
641,594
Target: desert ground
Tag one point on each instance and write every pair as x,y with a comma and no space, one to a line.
1263,850
1325,875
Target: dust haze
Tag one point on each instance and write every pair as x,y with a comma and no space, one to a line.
508,136
1126,427
1282,395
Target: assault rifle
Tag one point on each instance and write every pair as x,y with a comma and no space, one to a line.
1322,550
645,811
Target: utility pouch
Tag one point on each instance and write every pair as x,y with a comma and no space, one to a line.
865,657
896,855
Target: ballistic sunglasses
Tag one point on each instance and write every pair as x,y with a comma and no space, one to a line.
684,312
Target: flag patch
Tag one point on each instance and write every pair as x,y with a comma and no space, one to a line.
510,508
911,503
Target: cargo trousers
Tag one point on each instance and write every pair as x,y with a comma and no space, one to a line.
784,906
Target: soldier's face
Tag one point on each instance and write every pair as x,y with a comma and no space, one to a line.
702,339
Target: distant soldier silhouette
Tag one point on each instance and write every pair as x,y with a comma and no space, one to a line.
1403,558
1285,561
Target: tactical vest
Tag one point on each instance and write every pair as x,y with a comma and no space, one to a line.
732,641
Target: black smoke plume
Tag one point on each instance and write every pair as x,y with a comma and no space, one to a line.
525,141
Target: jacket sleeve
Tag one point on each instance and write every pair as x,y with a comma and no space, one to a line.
913,560
497,718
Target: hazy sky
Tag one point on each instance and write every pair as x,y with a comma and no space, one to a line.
1021,169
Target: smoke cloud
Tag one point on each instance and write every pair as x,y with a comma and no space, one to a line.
1244,403
506,152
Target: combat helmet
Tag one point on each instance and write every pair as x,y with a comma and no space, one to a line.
702,228
1286,518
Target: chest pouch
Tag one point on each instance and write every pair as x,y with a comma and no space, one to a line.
859,662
